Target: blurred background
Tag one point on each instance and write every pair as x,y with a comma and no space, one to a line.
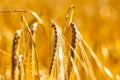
97,20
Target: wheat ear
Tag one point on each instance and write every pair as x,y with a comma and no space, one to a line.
55,46
73,45
15,48
33,55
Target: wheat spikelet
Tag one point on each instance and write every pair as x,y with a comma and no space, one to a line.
21,68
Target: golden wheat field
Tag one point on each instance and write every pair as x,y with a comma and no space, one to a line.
59,40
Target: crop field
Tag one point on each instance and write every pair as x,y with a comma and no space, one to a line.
59,40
